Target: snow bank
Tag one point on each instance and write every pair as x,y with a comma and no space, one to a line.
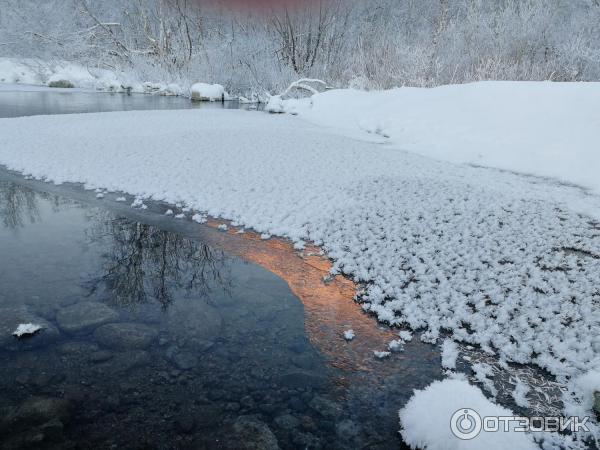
207,92
426,418
13,71
497,259
64,74
540,128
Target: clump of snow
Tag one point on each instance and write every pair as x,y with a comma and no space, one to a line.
449,354
484,374
425,419
121,199
27,329
199,218
222,227
520,394
180,216
349,335
396,345
207,92
275,105
381,355
100,195
405,335
169,212
265,236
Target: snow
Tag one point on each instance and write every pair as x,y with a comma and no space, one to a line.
484,375
26,329
275,105
449,354
121,199
396,345
405,335
199,218
540,128
349,335
207,92
495,259
520,394
33,74
381,355
425,419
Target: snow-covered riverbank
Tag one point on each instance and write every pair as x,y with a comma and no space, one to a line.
497,259
540,128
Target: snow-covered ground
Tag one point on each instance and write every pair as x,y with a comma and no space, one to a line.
494,258
541,128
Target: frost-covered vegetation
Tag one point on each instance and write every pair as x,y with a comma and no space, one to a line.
360,43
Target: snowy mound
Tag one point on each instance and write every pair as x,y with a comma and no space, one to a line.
540,128
207,92
426,420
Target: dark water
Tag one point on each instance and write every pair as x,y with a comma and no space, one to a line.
64,101
154,339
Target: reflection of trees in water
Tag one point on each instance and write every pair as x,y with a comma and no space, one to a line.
19,204
142,261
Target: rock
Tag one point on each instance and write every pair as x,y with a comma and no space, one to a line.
597,403
347,430
53,430
123,362
287,422
85,317
306,441
302,380
194,323
323,406
185,361
78,348
304,361
125,335
12,317
37,411
249,433
185,423
208,415
65,84
100,356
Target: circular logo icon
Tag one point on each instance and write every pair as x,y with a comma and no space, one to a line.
465,424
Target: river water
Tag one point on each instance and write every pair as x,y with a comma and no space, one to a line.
167,334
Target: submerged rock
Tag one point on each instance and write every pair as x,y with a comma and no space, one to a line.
195,323
37,411
85,317
249,433
125,335
185,361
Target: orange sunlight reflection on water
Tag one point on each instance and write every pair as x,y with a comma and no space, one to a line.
329,307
